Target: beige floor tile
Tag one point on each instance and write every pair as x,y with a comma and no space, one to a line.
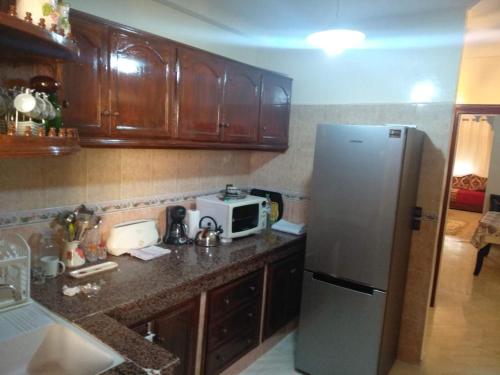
463,330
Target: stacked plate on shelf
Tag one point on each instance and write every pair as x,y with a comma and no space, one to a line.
22,125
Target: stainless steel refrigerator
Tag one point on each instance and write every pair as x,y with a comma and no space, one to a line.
360,223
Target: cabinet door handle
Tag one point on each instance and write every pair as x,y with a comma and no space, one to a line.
106,113
264,127
224,331
226,125
227,301
293,270
252,288
116,114
250,314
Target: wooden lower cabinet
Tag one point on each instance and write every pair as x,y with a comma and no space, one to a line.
284,287
233,318
220,358
233,321
177,331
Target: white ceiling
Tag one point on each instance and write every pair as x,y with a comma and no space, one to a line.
297,18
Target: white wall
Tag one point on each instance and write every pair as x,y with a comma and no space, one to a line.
493,186
160,19
379,75
480,74
480,69
384,73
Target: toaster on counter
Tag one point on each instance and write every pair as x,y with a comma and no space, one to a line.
132,235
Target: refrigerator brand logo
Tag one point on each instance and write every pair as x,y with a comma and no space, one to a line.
355,141
394,133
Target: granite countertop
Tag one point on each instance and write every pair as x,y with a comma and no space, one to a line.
138,290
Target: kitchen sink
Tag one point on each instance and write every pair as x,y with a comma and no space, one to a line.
35,341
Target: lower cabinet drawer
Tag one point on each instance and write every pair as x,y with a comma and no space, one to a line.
225,355
235,294
234,325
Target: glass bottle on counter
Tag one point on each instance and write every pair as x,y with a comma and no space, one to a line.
268,208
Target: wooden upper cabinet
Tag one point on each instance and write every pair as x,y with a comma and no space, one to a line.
275,109
133,89
241,103
199,87
141,80
84,85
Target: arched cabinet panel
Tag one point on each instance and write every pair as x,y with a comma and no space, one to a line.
140,85
275,109
199,92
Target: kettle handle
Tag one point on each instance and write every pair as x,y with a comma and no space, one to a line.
207,217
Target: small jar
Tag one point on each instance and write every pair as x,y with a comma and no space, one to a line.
91,245
11,129
102,252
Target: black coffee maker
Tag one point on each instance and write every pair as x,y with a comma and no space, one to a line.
176,231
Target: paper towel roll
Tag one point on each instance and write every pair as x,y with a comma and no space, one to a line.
192,221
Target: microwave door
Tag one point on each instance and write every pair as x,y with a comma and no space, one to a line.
245,218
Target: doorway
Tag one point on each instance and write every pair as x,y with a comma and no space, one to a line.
466,116
461,333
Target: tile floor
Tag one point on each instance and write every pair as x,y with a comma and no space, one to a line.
463,330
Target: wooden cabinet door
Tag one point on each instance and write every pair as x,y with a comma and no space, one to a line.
141,83
85,86
275,109
177,331
241,104
199,95
284,286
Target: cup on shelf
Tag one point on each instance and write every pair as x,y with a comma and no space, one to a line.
25,102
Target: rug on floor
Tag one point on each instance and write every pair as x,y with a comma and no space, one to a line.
453,227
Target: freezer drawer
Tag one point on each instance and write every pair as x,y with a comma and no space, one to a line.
340,329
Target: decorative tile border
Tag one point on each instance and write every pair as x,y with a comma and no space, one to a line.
12,219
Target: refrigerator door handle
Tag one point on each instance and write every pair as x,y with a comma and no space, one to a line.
416,218
343,283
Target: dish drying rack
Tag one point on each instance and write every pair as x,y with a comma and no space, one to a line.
14,270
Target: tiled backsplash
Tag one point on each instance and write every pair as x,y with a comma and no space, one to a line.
101,175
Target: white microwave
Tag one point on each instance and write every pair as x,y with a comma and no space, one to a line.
237,217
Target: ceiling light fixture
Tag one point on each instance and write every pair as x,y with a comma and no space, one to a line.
336,40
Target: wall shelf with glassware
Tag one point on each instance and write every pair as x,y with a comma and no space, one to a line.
23,36
16,146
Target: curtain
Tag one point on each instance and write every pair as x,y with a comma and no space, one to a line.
474,143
